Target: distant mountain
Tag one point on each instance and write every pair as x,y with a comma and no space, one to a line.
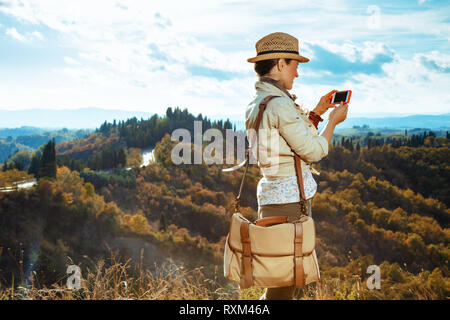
94,117
441,121
22,131
10,133
31,138
423,121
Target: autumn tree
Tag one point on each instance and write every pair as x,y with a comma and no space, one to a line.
11,177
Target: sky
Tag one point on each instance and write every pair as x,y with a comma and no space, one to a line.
149,55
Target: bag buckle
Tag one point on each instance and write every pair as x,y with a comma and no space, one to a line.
303,209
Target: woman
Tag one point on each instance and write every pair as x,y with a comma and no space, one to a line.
289,128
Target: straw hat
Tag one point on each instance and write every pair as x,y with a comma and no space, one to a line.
277,45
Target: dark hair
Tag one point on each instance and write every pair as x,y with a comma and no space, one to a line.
263,67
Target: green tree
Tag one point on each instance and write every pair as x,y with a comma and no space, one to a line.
48,161
121,157
162,222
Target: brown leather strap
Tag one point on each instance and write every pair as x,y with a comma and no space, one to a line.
298,171
247,277
237,203
299,272
262,107
268,221
256,124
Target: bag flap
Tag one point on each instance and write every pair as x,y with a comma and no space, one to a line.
276,240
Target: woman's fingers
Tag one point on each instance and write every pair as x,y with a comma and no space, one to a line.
340,113
325,102
328,98
329,104
331,92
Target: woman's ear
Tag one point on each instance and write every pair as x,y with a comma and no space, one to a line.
280,64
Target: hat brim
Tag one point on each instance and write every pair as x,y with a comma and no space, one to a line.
277,55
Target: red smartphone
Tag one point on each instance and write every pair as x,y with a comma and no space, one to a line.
341,96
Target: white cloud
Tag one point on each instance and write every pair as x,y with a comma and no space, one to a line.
30,36
15,34
35,35
71,61
353,52
407,87
435,59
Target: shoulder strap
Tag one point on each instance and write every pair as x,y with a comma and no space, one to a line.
247,277
299,272
262,107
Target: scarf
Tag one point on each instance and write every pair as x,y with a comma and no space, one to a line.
277,84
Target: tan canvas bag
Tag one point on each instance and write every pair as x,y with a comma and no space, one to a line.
271,252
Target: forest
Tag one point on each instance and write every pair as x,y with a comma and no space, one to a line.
381,200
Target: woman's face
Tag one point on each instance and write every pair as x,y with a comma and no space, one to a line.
288,72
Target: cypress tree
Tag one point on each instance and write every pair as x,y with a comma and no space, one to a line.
122,157
34,166
48,161
169,112
162,222
114,161
18,164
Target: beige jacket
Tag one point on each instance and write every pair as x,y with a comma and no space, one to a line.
284,127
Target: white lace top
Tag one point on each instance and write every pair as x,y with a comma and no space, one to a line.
285,190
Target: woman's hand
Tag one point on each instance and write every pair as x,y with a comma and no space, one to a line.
324,103
339,114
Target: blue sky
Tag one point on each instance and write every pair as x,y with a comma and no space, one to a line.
146,55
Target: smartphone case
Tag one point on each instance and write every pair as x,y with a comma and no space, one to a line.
348,97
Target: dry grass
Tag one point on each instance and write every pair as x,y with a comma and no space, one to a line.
121,281
116,280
